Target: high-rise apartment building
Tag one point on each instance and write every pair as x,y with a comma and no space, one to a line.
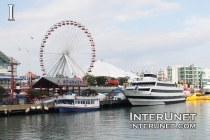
189,74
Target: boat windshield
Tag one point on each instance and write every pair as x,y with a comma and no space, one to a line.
150,75
65,102
143,84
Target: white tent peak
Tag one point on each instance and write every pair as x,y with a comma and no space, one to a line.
102,68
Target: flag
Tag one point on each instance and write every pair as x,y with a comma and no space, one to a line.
32,38
27,50
19,48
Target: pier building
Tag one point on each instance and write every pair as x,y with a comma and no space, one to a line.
5,75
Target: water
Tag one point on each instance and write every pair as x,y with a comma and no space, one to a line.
105,124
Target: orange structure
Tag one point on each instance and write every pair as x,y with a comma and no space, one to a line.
113,82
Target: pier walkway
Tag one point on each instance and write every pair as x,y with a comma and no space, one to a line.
21,108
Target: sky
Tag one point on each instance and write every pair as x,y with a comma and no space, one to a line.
131,35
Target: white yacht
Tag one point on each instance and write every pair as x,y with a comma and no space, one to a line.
207,88
150,91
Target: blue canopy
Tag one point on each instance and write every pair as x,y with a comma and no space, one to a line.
9,78
20,96
117,90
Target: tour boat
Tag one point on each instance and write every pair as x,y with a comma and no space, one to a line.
151,91
71,102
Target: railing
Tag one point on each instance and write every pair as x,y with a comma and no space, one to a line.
87,97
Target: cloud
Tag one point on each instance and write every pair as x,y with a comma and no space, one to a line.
120,47
142,9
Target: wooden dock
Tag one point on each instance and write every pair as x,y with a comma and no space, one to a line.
11,109
7,110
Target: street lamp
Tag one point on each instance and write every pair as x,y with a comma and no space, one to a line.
10,68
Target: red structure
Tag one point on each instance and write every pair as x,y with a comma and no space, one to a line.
11,69
113,82
61,84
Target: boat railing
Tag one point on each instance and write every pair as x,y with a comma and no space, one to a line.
86,97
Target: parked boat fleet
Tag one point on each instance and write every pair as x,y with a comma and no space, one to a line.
149,91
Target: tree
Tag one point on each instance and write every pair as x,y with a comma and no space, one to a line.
91,80
36,93
3,92
101,80
122,80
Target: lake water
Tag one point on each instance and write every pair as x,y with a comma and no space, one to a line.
106,124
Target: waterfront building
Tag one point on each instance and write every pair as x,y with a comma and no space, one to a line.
188,74
5,75
161,75
140,75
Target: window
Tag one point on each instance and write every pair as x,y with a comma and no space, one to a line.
166,84
144,89
156,97
166,91
150,75
144,84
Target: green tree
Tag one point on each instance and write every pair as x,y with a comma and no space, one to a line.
36,93
101,80
91,80
122,80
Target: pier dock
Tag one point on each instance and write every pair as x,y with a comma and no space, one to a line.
25,108
7,110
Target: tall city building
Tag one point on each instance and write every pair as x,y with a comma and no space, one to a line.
188,74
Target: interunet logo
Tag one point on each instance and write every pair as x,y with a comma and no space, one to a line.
162,117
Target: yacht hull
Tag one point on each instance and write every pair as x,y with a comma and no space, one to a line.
207,91
147,98
76,109
136,102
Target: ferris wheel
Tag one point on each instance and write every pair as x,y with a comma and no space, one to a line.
67,50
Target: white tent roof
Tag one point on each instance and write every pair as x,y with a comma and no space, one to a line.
131,75
104,69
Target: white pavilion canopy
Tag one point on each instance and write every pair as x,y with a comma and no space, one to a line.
104,69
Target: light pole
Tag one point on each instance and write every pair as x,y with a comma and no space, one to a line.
11,69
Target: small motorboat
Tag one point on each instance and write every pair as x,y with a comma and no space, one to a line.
197,96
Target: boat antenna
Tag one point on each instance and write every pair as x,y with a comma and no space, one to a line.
151,69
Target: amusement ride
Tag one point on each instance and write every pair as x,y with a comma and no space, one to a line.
67,50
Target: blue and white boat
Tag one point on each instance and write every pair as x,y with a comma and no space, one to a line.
117,94
70,102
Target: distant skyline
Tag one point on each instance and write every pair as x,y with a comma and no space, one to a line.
131,35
